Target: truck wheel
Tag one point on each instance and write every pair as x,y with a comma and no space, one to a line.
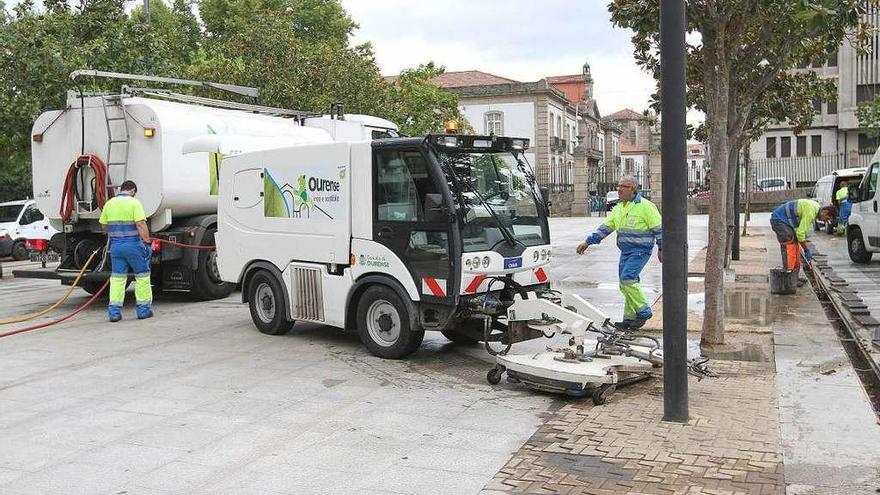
93,288
829,227
855,245
266,302
19,251
207,284
816,227
384,324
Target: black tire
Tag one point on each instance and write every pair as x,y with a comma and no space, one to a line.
266,301
383,323
494,376
19,251
207,284
458,338
600,395
829,227
816,227
855,245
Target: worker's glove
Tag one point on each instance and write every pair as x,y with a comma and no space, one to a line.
808,255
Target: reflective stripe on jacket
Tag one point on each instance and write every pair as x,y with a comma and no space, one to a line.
798,214
637,223
120,215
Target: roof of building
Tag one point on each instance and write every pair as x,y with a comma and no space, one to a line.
469,78
626,114
630,149
566,79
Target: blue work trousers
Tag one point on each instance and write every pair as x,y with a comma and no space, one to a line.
130,256
628,270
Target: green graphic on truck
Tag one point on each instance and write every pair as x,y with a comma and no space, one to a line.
214,160
288,201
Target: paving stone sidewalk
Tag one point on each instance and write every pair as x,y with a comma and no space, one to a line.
731,445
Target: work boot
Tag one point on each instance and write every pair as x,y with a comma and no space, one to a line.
640,321
115,313
623,325
144,311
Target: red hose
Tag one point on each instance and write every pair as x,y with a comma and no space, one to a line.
178,244
68,192
63,318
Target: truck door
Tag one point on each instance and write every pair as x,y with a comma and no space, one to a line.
868,208
410,218
32,224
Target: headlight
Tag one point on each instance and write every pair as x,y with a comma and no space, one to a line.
543,254
548,255
467,262
535,255
476,262
485,262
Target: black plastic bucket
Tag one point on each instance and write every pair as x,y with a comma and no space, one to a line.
783,281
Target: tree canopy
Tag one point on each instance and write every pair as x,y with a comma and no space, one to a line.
296,51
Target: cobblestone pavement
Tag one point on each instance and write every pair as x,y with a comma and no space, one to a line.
730,446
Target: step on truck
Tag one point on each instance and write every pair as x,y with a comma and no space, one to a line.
390,238
82,153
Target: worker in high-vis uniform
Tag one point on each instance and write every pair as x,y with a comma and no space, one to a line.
844,207
790,222
638,226
123,216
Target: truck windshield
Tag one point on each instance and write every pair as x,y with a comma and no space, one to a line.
499,184
9,213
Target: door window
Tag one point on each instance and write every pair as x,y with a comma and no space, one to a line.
30,216
869,186
405,192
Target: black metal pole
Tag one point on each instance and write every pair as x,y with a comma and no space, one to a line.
673,105
734,251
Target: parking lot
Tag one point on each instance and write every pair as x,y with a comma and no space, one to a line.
196,400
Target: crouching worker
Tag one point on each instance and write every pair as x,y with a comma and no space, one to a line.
124,218
790,222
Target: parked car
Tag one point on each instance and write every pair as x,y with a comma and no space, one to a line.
772,184
611,200
863,228
22,221
826,191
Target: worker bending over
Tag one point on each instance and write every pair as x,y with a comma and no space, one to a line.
790,222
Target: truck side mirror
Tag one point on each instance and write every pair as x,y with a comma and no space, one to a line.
852,194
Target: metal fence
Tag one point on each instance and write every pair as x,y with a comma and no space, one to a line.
804,171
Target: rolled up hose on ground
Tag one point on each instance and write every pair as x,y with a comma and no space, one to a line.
63,318
31,316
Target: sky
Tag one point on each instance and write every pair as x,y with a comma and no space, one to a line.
525,40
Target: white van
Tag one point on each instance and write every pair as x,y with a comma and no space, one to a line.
863,229
826,191
21,220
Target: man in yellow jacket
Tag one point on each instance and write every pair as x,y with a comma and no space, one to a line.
638,226
791,221
124,218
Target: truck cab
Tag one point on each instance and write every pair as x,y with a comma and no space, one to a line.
389,238
863,227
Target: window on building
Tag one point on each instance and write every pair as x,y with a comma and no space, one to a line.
693,163
816,145
558,125
771,147
632,136
817,63
570,173
817,105
832,106
785,147
868,145
801,146
832,59
494,123
865,92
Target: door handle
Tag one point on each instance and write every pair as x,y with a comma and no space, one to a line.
385,232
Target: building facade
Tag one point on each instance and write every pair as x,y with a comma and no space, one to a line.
636,129
557,114
696,164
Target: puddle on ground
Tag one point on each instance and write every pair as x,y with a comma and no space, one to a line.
745,351
742,305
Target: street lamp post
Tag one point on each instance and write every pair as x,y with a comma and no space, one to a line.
673,106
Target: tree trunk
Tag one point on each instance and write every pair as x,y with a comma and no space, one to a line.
732,169
748,210
717,87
